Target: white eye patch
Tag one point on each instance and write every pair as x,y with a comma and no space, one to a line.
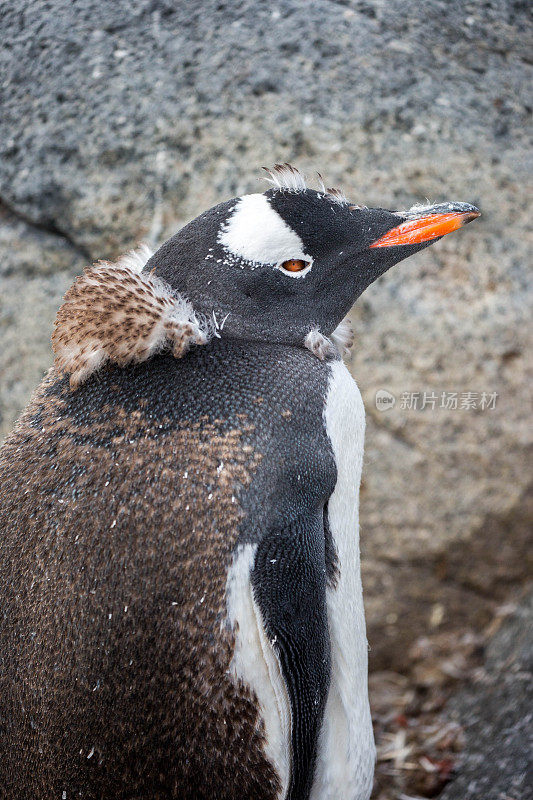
257,233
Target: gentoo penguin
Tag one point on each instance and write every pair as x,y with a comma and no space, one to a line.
182,611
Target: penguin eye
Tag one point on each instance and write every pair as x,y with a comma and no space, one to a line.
294,265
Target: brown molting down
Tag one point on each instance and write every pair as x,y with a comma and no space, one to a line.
113,313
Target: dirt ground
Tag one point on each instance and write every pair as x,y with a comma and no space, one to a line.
418,743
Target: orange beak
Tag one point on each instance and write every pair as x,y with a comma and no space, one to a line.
432,223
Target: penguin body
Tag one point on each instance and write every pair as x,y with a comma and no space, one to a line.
179,570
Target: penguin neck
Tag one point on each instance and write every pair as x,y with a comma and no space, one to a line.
264,325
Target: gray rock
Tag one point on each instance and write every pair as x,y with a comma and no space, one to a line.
497,715
121,121
36,268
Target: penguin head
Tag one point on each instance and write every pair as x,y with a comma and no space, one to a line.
277,265
284,266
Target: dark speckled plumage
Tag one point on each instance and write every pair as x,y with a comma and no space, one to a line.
114,502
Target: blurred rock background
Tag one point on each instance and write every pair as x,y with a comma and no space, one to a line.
121,121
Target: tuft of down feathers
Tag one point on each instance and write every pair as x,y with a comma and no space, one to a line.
285,177
115,313
343,337
339,344
134,259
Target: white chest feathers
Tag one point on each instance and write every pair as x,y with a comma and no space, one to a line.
346,751
256,664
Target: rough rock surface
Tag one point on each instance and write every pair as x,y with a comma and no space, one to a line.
122,120
497,762
36,268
